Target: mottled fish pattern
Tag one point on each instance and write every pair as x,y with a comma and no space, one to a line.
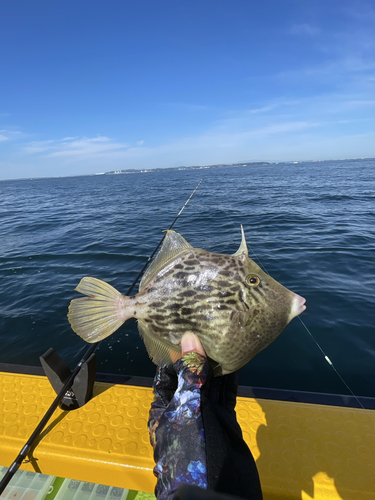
227,300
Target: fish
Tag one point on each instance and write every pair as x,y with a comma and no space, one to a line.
228,301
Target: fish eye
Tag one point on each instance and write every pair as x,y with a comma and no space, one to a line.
252,280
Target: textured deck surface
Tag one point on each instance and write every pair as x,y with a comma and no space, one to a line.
303,451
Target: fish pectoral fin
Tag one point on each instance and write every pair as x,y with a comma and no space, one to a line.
175,338
161,352
240,318
98,315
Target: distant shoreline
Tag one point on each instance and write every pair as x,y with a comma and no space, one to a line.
195,167
198,167
223,165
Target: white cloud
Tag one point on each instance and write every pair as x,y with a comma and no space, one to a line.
37,147
304,29
264,109
347,51
74,148
221,143
279,128
8,135
362,12
273,105
185,105
351,73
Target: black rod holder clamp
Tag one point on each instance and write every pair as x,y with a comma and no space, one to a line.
58,372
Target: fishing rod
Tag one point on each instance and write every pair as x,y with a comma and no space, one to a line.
69,382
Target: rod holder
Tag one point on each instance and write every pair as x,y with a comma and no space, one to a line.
58,372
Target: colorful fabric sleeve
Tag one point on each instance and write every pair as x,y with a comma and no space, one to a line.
176,426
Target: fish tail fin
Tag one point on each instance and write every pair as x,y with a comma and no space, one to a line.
98,315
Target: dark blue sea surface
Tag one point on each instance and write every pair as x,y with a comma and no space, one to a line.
311,225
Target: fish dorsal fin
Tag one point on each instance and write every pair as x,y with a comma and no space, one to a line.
160,351
173,245
243,247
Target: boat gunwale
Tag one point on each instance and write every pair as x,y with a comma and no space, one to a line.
274,394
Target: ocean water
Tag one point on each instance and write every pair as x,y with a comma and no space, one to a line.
311,225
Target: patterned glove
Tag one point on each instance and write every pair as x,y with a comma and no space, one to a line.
176,426
194,431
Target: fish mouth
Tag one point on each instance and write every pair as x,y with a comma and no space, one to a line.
298,306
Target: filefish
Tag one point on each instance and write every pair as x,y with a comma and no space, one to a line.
234,307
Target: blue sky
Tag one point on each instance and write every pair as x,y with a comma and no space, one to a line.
93,86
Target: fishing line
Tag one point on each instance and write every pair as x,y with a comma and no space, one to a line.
68,384
326,358
331,364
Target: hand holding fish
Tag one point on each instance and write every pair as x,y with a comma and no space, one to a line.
194,432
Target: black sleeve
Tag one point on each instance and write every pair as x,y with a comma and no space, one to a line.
231,468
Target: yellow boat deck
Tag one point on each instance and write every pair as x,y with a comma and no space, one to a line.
303,451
